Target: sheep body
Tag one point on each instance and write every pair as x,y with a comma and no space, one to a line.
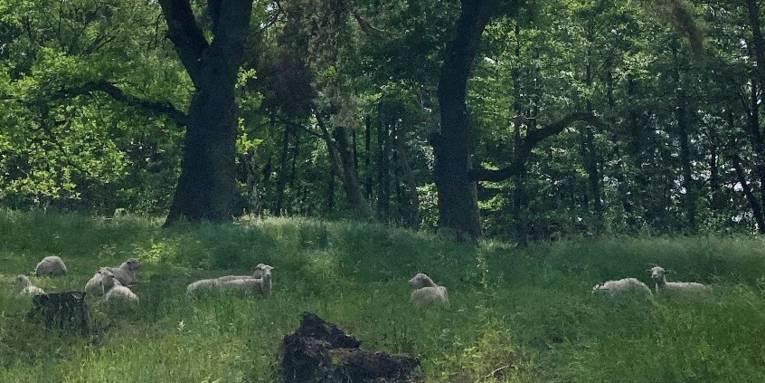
662,286
430,295
121,293
50,266
258,283
622,287
427,292
118,292
258,272
25,286
126,273
202,285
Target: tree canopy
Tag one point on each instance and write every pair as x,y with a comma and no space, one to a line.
518,119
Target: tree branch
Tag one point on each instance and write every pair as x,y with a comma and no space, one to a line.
156,107
187,37
533,138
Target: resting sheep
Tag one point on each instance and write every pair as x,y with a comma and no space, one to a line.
426,291
658,275
25,286
259,282
50,266
256,273
101,282
126,272
118,293
626,286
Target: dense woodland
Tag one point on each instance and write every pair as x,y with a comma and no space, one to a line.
516,119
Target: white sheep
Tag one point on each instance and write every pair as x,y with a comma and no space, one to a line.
126,272
426,291
259,282
257,272
626,286
50,266
25,286
118,292
662,286
100,283
251,286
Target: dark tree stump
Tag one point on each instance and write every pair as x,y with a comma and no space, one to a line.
65,311
320,352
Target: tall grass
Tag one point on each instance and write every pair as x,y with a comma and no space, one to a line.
516,315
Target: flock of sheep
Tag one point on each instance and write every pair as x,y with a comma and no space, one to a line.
114,283
661,286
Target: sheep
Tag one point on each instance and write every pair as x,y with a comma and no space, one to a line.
118,292
126,272
427,292
50,266
248,286
658,275
626,286
101,282
257,272
25,286
260,281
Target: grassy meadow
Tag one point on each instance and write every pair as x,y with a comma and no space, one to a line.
516,315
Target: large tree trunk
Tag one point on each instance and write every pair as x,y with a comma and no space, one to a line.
206,186
457,194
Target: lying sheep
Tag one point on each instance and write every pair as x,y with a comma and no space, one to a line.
100,283
25,286
118,292
251,286
426,292
50,266
259,282
257,272
658,275
126,272
626,286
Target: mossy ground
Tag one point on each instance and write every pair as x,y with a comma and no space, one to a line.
525,314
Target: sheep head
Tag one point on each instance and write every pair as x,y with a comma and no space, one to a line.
658,274
132,264
22,281
107,277
421,280
261,270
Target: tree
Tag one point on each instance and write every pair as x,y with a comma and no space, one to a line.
206,187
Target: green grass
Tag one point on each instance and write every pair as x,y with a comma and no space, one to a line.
528,313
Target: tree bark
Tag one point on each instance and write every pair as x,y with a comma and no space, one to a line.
206,186
682,113
457,194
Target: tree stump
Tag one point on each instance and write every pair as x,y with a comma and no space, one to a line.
65,311
319,352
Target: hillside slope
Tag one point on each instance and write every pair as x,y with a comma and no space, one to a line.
515,315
